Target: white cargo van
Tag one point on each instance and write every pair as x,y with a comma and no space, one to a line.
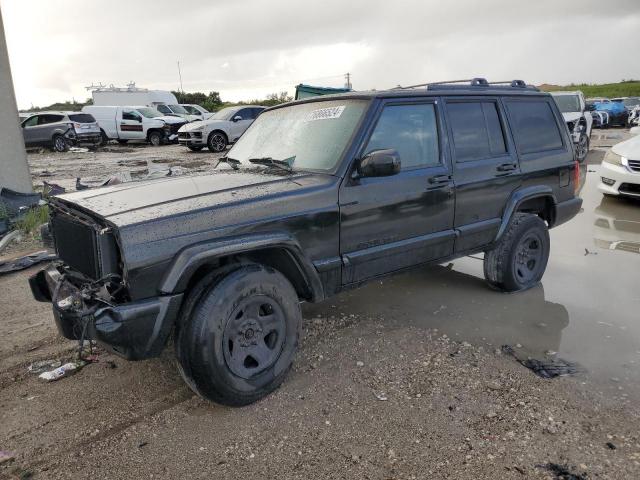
165,102
124,123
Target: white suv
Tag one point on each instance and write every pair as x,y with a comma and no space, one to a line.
221,129
620,172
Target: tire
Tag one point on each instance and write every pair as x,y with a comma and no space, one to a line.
59,144
238,334
155,138
520,258
195,148
582,147
123,141
217,142
104,138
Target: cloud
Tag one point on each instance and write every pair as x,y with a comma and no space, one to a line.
247,48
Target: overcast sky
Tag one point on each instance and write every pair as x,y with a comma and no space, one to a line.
248,48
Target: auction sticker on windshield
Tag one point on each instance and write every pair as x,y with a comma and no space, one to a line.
325,113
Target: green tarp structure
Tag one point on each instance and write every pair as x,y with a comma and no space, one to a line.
306,91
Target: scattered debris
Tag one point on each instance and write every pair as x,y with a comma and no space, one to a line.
6,456
550,368
610,446
43,365
587,252
10,237
61,372
26,261
16,203
360,363
143,444
563,472
51,189
382,397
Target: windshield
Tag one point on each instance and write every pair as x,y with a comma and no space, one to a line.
224,114
149,112
178,109
567,103
309,135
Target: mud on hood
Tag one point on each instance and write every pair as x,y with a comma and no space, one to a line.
139,202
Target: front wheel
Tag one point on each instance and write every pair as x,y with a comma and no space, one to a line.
155,139
60,144
520,258
238,335
217,142
582,147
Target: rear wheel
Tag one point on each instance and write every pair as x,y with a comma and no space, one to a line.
195,148
217,142
60,144
238,334
520,258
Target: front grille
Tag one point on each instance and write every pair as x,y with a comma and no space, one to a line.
632,247
184,135
634,165
76,244
630,189
174,127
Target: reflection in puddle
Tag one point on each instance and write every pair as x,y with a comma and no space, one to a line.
459,305
617,225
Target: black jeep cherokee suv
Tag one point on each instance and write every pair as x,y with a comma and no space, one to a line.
318,196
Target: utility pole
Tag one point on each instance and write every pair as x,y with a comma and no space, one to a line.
347,83
14,169
180,75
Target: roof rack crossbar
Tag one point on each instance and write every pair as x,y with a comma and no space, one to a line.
473,82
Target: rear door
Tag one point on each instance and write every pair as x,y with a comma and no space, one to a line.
130,125
389,223
486,169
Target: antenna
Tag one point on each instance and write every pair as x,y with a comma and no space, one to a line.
180,75
347,78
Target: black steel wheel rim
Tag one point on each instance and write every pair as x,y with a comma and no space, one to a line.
218,142
254,336
528,257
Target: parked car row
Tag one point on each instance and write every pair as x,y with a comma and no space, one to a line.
617,111
620,172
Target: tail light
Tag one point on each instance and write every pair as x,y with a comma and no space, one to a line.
576,177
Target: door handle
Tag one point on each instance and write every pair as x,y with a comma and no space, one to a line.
506,167
439,179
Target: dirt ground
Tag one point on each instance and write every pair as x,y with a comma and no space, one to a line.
401,379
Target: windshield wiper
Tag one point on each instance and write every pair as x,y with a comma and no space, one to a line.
235,164
273,162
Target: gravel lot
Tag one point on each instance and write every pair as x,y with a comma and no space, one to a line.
401,379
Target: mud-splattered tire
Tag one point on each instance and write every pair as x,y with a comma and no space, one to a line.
217,141
59,144
155,138
238,334
519,260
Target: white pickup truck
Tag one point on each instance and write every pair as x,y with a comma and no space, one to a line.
135,123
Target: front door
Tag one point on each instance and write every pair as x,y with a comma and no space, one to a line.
30,130
389,223
130,125
486,169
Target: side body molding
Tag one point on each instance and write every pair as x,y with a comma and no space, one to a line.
517,198
187,261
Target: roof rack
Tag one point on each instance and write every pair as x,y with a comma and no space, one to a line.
470,82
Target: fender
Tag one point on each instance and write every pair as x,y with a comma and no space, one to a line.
191,258
516,200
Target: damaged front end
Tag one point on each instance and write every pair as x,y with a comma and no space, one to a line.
88,290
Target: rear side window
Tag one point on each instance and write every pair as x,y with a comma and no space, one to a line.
412,130
477,130
45,119
534,126
82,118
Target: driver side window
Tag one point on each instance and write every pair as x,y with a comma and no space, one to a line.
411,130
31,121
129,115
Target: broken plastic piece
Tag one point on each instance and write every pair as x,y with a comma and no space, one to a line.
42,365
61,372
25,262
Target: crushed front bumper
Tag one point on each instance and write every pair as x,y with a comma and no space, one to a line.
135,331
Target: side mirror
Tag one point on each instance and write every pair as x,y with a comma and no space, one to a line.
237,118
379,163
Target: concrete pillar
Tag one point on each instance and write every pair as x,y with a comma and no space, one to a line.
14,169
